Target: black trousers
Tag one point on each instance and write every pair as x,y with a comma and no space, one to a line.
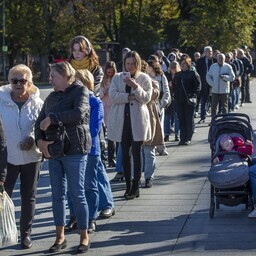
111,151
29,175
129,145
185,115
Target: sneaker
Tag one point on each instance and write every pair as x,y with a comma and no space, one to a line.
236,106
163,153
196,115
252,215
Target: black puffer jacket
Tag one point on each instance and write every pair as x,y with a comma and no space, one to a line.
191,82
3,153
71,107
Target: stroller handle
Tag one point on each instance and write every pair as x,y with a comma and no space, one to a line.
232,115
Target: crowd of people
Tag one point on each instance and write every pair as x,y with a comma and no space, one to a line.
119,116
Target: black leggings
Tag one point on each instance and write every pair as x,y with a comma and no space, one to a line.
135,146
29,174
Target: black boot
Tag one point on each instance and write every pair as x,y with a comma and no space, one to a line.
128,188
135,192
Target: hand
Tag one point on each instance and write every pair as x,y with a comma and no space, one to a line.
131,97
45,123
131,82
43,147
27,143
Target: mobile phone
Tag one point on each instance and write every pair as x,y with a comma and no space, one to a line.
126,74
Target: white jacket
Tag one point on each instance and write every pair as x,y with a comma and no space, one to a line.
219,85
18,125
140,121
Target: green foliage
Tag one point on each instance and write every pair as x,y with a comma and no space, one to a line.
42,27
222,24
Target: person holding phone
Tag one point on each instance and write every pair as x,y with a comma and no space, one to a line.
129,121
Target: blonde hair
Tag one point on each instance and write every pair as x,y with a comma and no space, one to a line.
136,56
86,77
65,69
22,69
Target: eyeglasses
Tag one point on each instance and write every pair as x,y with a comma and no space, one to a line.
20,81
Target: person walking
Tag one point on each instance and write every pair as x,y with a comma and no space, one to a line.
128,121
186,85
203,64
219,77
20,105
68,107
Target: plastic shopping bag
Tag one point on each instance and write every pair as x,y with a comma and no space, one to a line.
8,228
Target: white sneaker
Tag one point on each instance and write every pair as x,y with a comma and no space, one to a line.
236,107
252,215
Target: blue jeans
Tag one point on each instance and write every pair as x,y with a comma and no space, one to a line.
69,171
237,95
106,200
91,186
119,159
149,161
252,175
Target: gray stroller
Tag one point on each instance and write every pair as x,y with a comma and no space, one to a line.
229,177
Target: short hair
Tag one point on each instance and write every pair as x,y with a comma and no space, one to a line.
153,57
136,56
207,49
86,77
64,69
187,59
22,69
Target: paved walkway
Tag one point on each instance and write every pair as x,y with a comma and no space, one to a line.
171,218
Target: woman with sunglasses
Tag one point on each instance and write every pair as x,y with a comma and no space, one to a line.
19,107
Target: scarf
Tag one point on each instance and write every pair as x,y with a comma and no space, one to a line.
85,63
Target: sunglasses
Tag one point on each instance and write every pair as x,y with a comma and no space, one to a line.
21,81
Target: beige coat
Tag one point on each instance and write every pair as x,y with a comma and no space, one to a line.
156,129
140,121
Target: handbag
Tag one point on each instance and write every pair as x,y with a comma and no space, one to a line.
60,137
192,101
8,228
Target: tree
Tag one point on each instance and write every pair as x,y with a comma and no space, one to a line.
223,24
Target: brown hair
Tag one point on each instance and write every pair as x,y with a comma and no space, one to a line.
156,67
109,64
85,46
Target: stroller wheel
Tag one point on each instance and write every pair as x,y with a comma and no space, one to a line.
211,211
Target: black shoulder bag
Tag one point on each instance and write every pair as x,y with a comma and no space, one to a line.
192,101
61,140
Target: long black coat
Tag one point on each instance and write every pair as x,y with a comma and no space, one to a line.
202,71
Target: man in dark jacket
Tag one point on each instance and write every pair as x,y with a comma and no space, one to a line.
245,87
202,66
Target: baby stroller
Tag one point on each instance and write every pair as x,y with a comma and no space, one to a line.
229,172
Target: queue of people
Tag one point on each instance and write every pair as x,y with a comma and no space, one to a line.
70,128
